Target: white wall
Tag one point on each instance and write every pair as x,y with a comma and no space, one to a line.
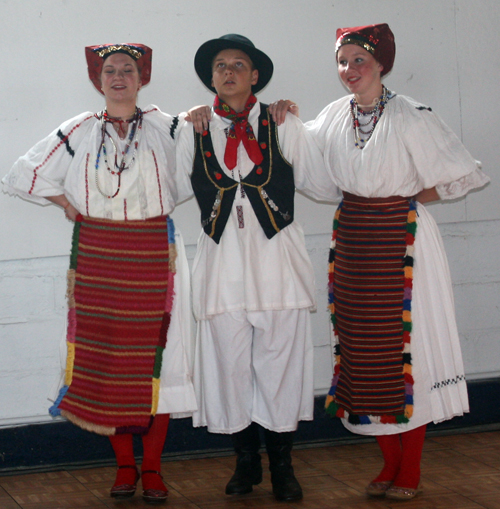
447,57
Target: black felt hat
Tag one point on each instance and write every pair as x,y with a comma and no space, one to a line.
210,49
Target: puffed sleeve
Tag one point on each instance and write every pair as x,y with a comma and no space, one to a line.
42,170
170,127
301,151
439,157
326,121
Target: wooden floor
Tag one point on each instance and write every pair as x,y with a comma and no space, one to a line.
458,472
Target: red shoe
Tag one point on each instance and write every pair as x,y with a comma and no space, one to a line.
124,490
155,492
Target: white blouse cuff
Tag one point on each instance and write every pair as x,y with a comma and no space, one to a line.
462,186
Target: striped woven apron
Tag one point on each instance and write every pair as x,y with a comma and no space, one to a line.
120,294
370,285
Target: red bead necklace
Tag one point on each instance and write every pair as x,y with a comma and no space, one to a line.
133,139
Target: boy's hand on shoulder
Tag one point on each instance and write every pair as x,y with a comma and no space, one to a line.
199,116
279,109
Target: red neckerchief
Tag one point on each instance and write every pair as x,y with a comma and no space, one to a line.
240,130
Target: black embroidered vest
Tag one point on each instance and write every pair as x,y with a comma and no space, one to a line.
269,186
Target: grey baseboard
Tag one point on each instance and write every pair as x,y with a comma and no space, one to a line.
61,445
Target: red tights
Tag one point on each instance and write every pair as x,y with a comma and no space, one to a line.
152,444
402,454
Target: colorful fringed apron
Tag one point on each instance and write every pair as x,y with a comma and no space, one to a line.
120,295
370,285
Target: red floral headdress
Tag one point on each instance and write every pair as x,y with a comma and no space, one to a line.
96,55
378,40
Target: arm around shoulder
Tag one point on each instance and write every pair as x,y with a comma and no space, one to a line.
310,173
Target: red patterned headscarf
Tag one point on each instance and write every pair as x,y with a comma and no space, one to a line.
96,55
240,130
378,40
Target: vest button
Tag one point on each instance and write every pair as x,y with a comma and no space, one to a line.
259,171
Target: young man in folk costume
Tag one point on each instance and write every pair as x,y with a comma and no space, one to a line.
253,283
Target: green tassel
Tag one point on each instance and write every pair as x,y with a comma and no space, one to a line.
332,409
401,419
74,245
411,228
158,361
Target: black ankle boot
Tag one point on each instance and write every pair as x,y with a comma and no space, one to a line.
285,485
248,466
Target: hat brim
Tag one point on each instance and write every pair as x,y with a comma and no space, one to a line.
210,49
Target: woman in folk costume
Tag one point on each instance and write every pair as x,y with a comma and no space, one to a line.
397,362
128,334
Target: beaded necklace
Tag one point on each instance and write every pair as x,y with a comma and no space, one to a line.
133,138
375,115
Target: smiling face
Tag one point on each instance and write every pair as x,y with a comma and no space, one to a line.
120,79
233,76
359,72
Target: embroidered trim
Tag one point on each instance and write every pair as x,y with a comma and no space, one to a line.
53,151
169,302
450,381
239,212
66,142
149,111
172,248
266,199
134,51
158,179
54,410
87,183
173,127
220,190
